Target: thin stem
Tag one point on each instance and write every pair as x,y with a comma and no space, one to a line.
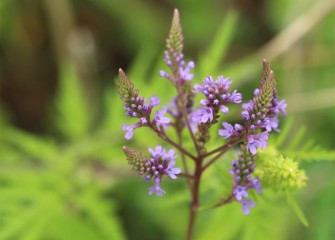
195,199
224,201
219,149
163,136
191,133
183,159
188,176
222,150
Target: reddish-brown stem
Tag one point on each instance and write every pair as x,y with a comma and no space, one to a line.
219,149
186,175
191,132
163,136
223,149
195,199
183,159
225,201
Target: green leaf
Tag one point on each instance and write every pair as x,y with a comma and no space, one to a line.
74,117
102,215
36,230
216,51
31,145
284,132
297,210
11,229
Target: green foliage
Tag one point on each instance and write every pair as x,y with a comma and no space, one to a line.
210,60
49,189
298,148
279,172
73,114
78,187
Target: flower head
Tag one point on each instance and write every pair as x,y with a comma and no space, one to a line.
184,73
160,118
259,141
161,163
129,131
216,93
156,188
230,130
246,205
202,115
240,192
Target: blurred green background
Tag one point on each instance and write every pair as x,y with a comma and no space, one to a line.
62,171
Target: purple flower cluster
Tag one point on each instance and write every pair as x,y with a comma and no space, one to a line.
259,118
259,113
257,140
182,70
216,98
243,181
137,107
230,130
161,163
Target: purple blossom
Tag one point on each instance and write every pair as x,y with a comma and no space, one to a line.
224,109
248,105
216,93
271,124
154,101
202,115
160,118
243,181
185,72
236,97
281,107
255,141
156,188
256,92
129,131
171,171
240,192
246,204
161,163
230,130
137,106
255,184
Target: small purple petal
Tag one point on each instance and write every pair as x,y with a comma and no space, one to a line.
240,192
160,118
154,101
156,188
255,141
281,107
228,131
202,115
246,204
129,131
236,97
224,109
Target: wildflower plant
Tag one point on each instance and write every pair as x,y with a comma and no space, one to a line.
189,119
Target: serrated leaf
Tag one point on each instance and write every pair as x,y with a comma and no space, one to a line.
297,210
